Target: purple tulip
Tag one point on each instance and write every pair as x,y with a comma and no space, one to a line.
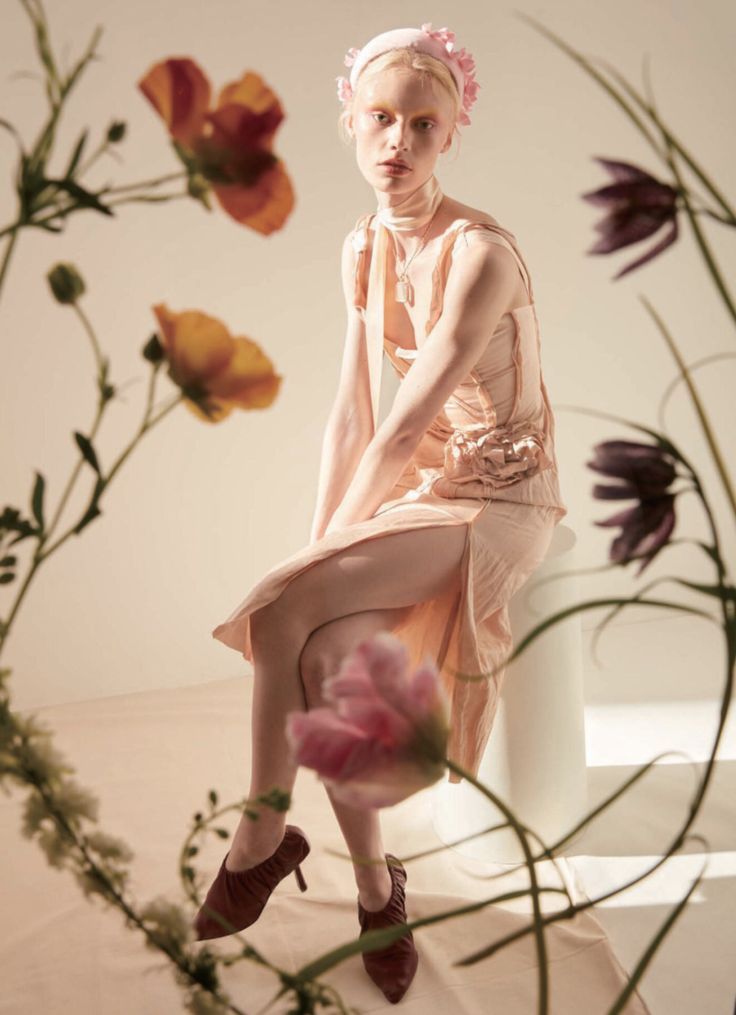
645,472
638,206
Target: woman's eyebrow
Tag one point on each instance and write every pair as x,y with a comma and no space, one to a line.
387,105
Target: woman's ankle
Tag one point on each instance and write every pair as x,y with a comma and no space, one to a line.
372,875
258,837
374,893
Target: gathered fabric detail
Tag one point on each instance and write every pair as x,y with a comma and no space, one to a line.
479,460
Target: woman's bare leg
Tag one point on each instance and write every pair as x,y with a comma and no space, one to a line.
361,827
397,569
276,691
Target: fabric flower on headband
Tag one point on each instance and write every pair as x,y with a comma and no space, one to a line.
454,58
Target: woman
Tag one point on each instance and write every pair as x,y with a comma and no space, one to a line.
459,481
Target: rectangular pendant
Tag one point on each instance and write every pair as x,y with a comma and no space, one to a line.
402,292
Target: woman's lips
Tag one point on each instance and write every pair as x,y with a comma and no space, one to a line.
395,169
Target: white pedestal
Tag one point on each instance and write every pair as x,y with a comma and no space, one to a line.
535,760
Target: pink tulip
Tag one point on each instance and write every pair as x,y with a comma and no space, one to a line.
386,736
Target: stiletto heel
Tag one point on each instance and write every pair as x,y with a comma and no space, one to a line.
391,968
239,897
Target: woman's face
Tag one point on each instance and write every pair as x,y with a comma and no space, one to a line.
397,114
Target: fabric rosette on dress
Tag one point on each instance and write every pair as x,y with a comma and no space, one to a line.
479,459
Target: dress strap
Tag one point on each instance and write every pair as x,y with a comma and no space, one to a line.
494,234
439,277
360,241
497,234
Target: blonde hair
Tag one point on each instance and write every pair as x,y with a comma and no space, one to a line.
426,66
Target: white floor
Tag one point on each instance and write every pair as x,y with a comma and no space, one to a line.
659,689
151,758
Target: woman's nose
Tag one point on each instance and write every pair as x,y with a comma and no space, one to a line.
398,139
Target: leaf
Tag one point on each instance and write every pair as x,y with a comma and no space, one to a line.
569,611
692,367
76,154
9,126
588,67
88,451
93,510
84,198
727,593
652,947
37,500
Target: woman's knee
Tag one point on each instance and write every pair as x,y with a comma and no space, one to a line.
324,651
272,625
327,646
318,660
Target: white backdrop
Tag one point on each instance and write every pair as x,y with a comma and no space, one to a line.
200,511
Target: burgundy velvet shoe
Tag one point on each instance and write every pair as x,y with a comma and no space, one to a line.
240,896
392,968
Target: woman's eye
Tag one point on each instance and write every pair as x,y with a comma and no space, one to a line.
428,122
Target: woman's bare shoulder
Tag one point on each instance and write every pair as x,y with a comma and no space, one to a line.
458,212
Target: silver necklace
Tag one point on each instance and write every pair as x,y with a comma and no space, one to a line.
403,289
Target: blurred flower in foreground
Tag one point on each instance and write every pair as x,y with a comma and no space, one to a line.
639,205
646,472
216,372
386,738
228,146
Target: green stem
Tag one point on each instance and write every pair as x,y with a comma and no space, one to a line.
708,433
672,142
630,112
101,405
156,182
729,626
111,893
693,219
147,425
534,886
41,552
10,246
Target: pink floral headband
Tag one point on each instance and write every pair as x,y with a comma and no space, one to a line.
438,42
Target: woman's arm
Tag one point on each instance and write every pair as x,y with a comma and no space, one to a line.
480,287
349,425
342,448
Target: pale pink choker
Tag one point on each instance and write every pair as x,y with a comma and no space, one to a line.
413,211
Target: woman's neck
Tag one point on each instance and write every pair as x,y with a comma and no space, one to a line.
412,211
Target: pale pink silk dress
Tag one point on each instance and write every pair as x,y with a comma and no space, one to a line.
486,462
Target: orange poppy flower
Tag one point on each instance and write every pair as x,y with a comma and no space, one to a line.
216,371
229,145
